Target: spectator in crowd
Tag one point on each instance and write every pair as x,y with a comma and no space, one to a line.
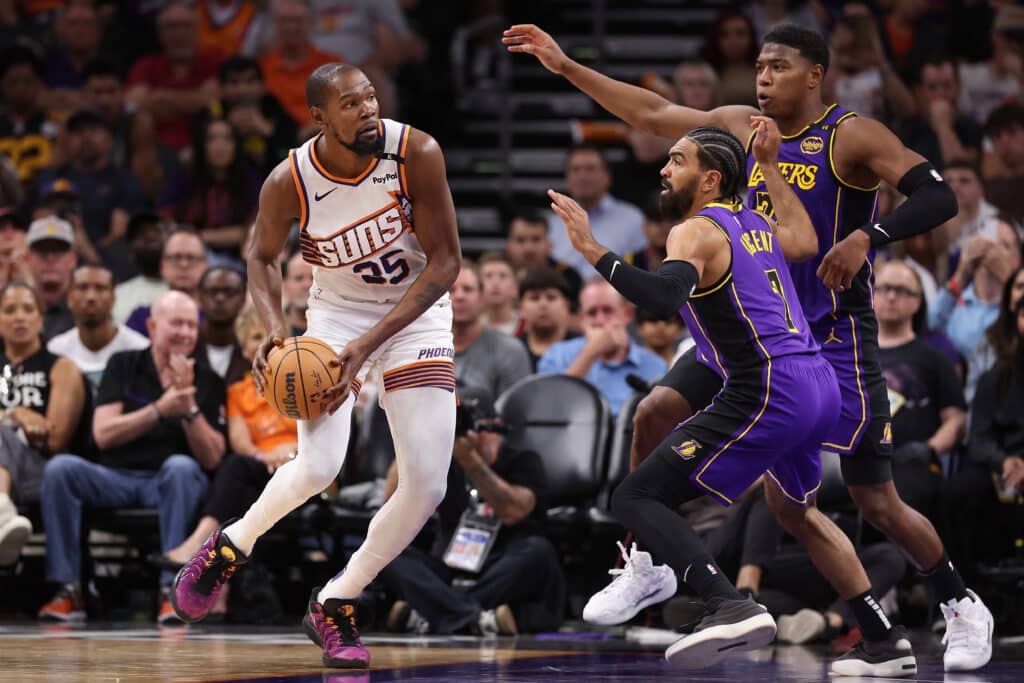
969,302
660,333
731,49
864,79
695,84
657,226
293,57
940,133
975,529
145,239
42,398
227,26
223,192
605,355
929,413
521,567
158,424
1004,167
267,130
528,246
260,440
501,292
544,303
615,222
108,194
178,82
132,129
182,265
1001,336
484,357
11,191
27,129
12,246
78,43
95,337
985,85
974,216
295,285
50,259
372,34
221,297
912,34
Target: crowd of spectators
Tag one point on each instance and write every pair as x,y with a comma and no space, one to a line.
129,179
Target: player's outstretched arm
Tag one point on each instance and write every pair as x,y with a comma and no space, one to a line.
867,144
794,232
278,208
433,214
639,107
691,246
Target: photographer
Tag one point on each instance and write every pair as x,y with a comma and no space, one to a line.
490,535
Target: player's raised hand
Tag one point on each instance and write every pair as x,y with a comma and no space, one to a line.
767,141
577,224
532,40
350,360
260,368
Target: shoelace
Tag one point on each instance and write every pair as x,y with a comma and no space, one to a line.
960,629
207,576
335,634
622,575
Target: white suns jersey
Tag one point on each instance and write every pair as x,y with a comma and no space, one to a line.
358,232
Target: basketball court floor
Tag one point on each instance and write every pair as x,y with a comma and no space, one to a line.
130,654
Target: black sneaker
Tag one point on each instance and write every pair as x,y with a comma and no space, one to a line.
889,658
731,625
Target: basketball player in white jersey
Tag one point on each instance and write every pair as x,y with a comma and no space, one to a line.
378,224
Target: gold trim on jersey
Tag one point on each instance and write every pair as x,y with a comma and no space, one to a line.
764,402
714,349
727,275
815,122
403,144
835,239
338,179
860,393
300,188
831,162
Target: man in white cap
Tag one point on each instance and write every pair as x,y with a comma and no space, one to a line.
51,259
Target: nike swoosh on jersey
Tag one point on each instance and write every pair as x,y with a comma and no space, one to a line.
317,197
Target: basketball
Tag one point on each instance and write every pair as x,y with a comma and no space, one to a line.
300,372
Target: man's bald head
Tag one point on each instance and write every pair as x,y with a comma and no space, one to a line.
173,324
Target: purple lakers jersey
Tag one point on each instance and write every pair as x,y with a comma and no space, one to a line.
835,206
751,314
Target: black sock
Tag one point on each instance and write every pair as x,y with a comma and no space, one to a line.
874,625
708,581
945,580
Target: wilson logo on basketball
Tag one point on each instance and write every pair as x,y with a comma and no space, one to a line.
289,402
355,242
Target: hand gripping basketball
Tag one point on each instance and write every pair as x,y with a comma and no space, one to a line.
350,360
301,371
260,368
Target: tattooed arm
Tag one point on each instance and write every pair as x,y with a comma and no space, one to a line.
511,503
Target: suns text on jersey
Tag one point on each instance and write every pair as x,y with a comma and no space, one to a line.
359,240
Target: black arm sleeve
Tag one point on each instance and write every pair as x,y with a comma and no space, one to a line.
930,201
663,292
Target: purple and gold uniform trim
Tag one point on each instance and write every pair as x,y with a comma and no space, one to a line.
764,403
799,501
439,374
855,336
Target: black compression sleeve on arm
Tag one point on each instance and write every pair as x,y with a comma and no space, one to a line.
930,201
663,292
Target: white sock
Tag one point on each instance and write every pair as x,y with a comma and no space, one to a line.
7,507
321,453
423,449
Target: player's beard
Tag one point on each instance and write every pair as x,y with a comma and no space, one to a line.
358,146
676,204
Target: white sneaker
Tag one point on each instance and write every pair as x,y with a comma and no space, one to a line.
968,638
638,584
14,533
803,627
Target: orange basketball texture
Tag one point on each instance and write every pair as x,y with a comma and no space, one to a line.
300,372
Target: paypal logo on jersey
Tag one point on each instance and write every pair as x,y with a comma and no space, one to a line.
387,177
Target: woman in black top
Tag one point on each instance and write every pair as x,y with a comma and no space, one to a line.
41,397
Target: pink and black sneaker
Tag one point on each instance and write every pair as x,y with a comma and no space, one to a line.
197,584
332,625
